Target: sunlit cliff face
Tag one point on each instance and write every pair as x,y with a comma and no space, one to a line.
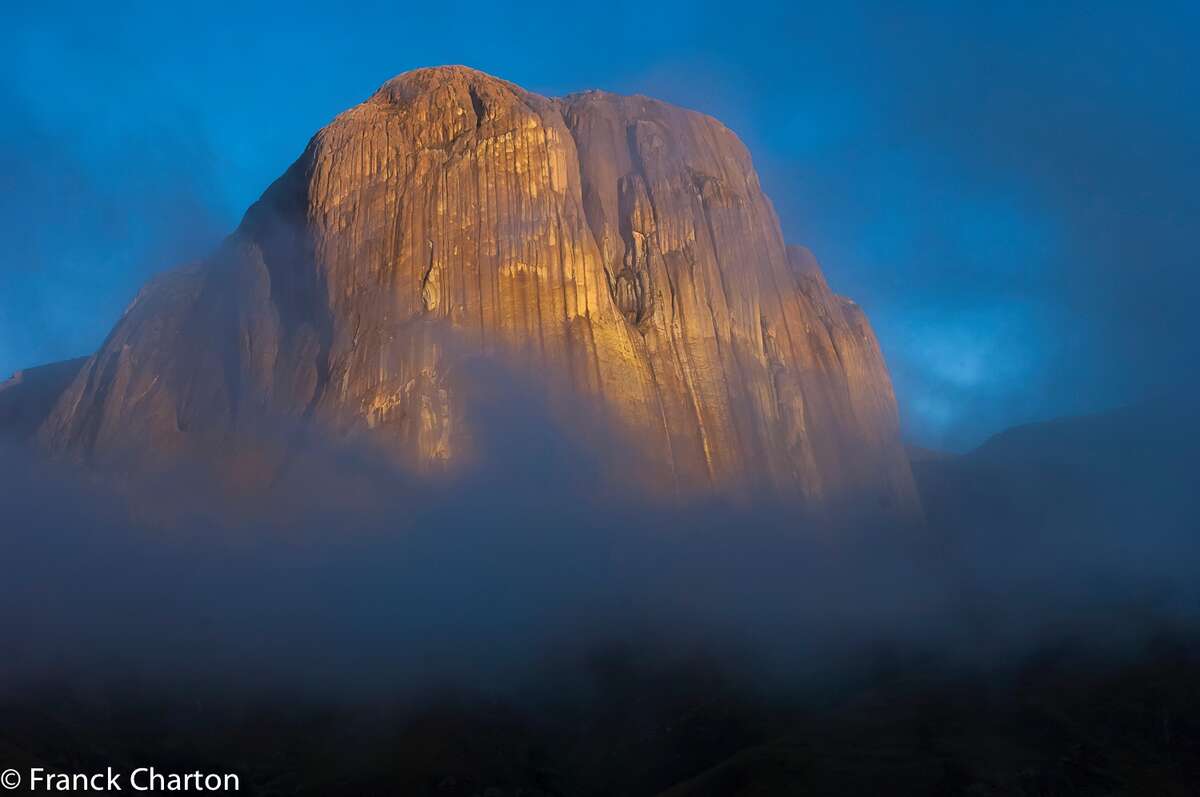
620,248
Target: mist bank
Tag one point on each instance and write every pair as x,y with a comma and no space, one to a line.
531,626
348,577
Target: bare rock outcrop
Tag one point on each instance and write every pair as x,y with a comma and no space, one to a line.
619,246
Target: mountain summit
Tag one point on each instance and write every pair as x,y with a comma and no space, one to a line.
620,247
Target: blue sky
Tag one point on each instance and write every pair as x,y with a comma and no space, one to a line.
1010,192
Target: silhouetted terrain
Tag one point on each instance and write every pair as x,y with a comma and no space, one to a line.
1057,725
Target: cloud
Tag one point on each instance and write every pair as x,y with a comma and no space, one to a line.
349,577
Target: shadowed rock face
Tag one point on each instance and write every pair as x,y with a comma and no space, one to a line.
619,247
29,395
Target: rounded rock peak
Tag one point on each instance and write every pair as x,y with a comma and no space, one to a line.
407,85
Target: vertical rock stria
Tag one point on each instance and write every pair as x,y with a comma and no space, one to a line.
620,247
